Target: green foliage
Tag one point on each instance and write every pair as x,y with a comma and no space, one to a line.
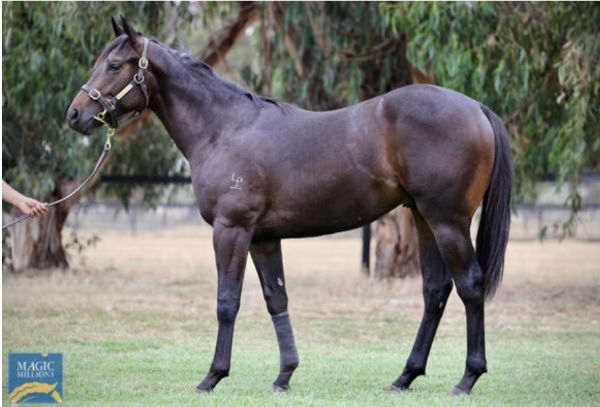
328,55
536,64
48,50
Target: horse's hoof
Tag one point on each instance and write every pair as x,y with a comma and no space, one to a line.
458,391
203,390
395,389
280,389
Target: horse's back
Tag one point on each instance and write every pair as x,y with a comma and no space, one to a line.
427,101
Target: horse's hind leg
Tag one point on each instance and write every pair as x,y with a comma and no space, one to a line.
437,286
269,265
459,255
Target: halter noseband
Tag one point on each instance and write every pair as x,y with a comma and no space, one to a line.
109,105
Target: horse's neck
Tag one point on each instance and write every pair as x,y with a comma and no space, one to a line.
191,110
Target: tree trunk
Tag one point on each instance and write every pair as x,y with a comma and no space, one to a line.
397,247
37,243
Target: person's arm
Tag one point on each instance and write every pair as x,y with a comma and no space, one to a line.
24,203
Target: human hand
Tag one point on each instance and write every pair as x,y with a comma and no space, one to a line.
32,207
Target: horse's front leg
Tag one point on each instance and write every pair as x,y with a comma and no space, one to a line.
231,244
269,265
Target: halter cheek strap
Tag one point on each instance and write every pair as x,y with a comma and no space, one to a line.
109,104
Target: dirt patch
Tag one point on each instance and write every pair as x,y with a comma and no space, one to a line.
549,286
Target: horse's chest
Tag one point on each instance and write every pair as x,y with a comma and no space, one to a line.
232,194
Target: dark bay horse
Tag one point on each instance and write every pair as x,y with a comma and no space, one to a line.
263,170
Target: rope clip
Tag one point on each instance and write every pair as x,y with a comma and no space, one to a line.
109,134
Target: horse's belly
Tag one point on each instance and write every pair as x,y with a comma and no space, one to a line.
328,210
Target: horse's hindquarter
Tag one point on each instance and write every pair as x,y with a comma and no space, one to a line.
444,145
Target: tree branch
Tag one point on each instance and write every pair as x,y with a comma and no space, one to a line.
219,46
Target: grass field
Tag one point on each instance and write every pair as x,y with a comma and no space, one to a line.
135,321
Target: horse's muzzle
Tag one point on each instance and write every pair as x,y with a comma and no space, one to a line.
79,121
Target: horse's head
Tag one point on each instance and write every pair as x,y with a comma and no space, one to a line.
120,86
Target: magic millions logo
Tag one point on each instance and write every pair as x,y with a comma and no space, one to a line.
35,377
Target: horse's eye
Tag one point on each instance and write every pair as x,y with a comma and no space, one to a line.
114,67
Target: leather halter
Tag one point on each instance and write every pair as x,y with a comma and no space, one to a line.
109,104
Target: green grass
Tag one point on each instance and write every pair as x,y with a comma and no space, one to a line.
162,368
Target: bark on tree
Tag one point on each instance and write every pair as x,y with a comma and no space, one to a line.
396,248
37,243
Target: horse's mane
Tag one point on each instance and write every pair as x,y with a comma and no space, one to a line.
204,70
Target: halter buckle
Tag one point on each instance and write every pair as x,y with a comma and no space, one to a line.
143,62
94,94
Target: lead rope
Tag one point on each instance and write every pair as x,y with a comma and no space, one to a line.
107,147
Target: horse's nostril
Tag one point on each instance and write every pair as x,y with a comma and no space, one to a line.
73,115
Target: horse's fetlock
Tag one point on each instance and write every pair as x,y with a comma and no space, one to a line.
476,365
290,364
413,369
219,372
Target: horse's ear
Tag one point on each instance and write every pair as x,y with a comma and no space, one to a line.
131,33
116,27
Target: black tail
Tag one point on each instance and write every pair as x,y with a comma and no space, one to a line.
492,236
